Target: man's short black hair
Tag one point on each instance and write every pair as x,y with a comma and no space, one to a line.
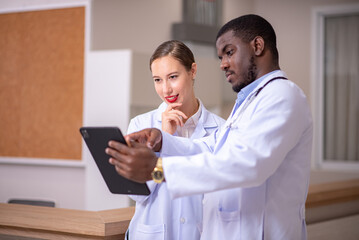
248,27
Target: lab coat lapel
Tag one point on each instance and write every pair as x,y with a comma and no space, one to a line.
205,121
235,116
158,116
199,132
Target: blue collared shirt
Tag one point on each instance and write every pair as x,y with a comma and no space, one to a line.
243,94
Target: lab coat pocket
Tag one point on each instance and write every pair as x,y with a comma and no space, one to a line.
229,216
150,232
230,222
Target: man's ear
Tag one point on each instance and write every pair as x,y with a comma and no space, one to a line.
258,45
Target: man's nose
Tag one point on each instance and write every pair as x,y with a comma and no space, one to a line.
224,64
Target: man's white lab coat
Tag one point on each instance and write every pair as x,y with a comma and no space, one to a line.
254,171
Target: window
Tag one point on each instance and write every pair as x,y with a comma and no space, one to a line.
336,87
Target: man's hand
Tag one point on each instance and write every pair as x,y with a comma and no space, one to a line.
135,163
152,137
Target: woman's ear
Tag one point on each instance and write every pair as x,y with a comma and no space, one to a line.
258,45
194,70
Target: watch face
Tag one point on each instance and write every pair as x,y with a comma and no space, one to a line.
157,175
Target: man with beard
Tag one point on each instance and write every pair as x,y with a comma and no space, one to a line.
254,171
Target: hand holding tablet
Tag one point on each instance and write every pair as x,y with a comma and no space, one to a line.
96,139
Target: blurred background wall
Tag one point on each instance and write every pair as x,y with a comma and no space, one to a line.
130,30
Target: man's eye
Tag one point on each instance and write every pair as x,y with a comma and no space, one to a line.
173,76
157,79
230,52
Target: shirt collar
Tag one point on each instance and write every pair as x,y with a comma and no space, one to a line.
193,120
249,88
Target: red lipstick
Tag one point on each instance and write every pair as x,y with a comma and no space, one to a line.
172,99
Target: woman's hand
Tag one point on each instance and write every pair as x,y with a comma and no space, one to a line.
171,118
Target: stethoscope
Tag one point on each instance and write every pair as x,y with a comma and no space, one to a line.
237,116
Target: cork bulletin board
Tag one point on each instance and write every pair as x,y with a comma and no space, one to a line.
41,83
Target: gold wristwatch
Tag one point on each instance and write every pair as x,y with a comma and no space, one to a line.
157,173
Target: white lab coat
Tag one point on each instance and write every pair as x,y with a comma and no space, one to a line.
254,171
157,216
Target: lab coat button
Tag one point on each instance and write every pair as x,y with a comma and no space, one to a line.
183,220
302,212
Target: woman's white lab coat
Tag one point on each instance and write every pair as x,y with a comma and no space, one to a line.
157,216
254,171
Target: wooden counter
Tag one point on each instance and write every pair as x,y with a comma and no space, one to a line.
332,192
332,200
33,222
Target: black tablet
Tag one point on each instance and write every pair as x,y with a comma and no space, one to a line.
96,139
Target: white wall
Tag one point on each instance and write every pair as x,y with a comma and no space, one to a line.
107,98
43,180
292,21
140,25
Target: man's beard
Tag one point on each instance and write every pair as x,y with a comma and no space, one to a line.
248,78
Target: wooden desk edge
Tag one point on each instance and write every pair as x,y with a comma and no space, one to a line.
115,222
332,192
69,221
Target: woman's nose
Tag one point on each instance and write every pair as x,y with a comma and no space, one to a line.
167,88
